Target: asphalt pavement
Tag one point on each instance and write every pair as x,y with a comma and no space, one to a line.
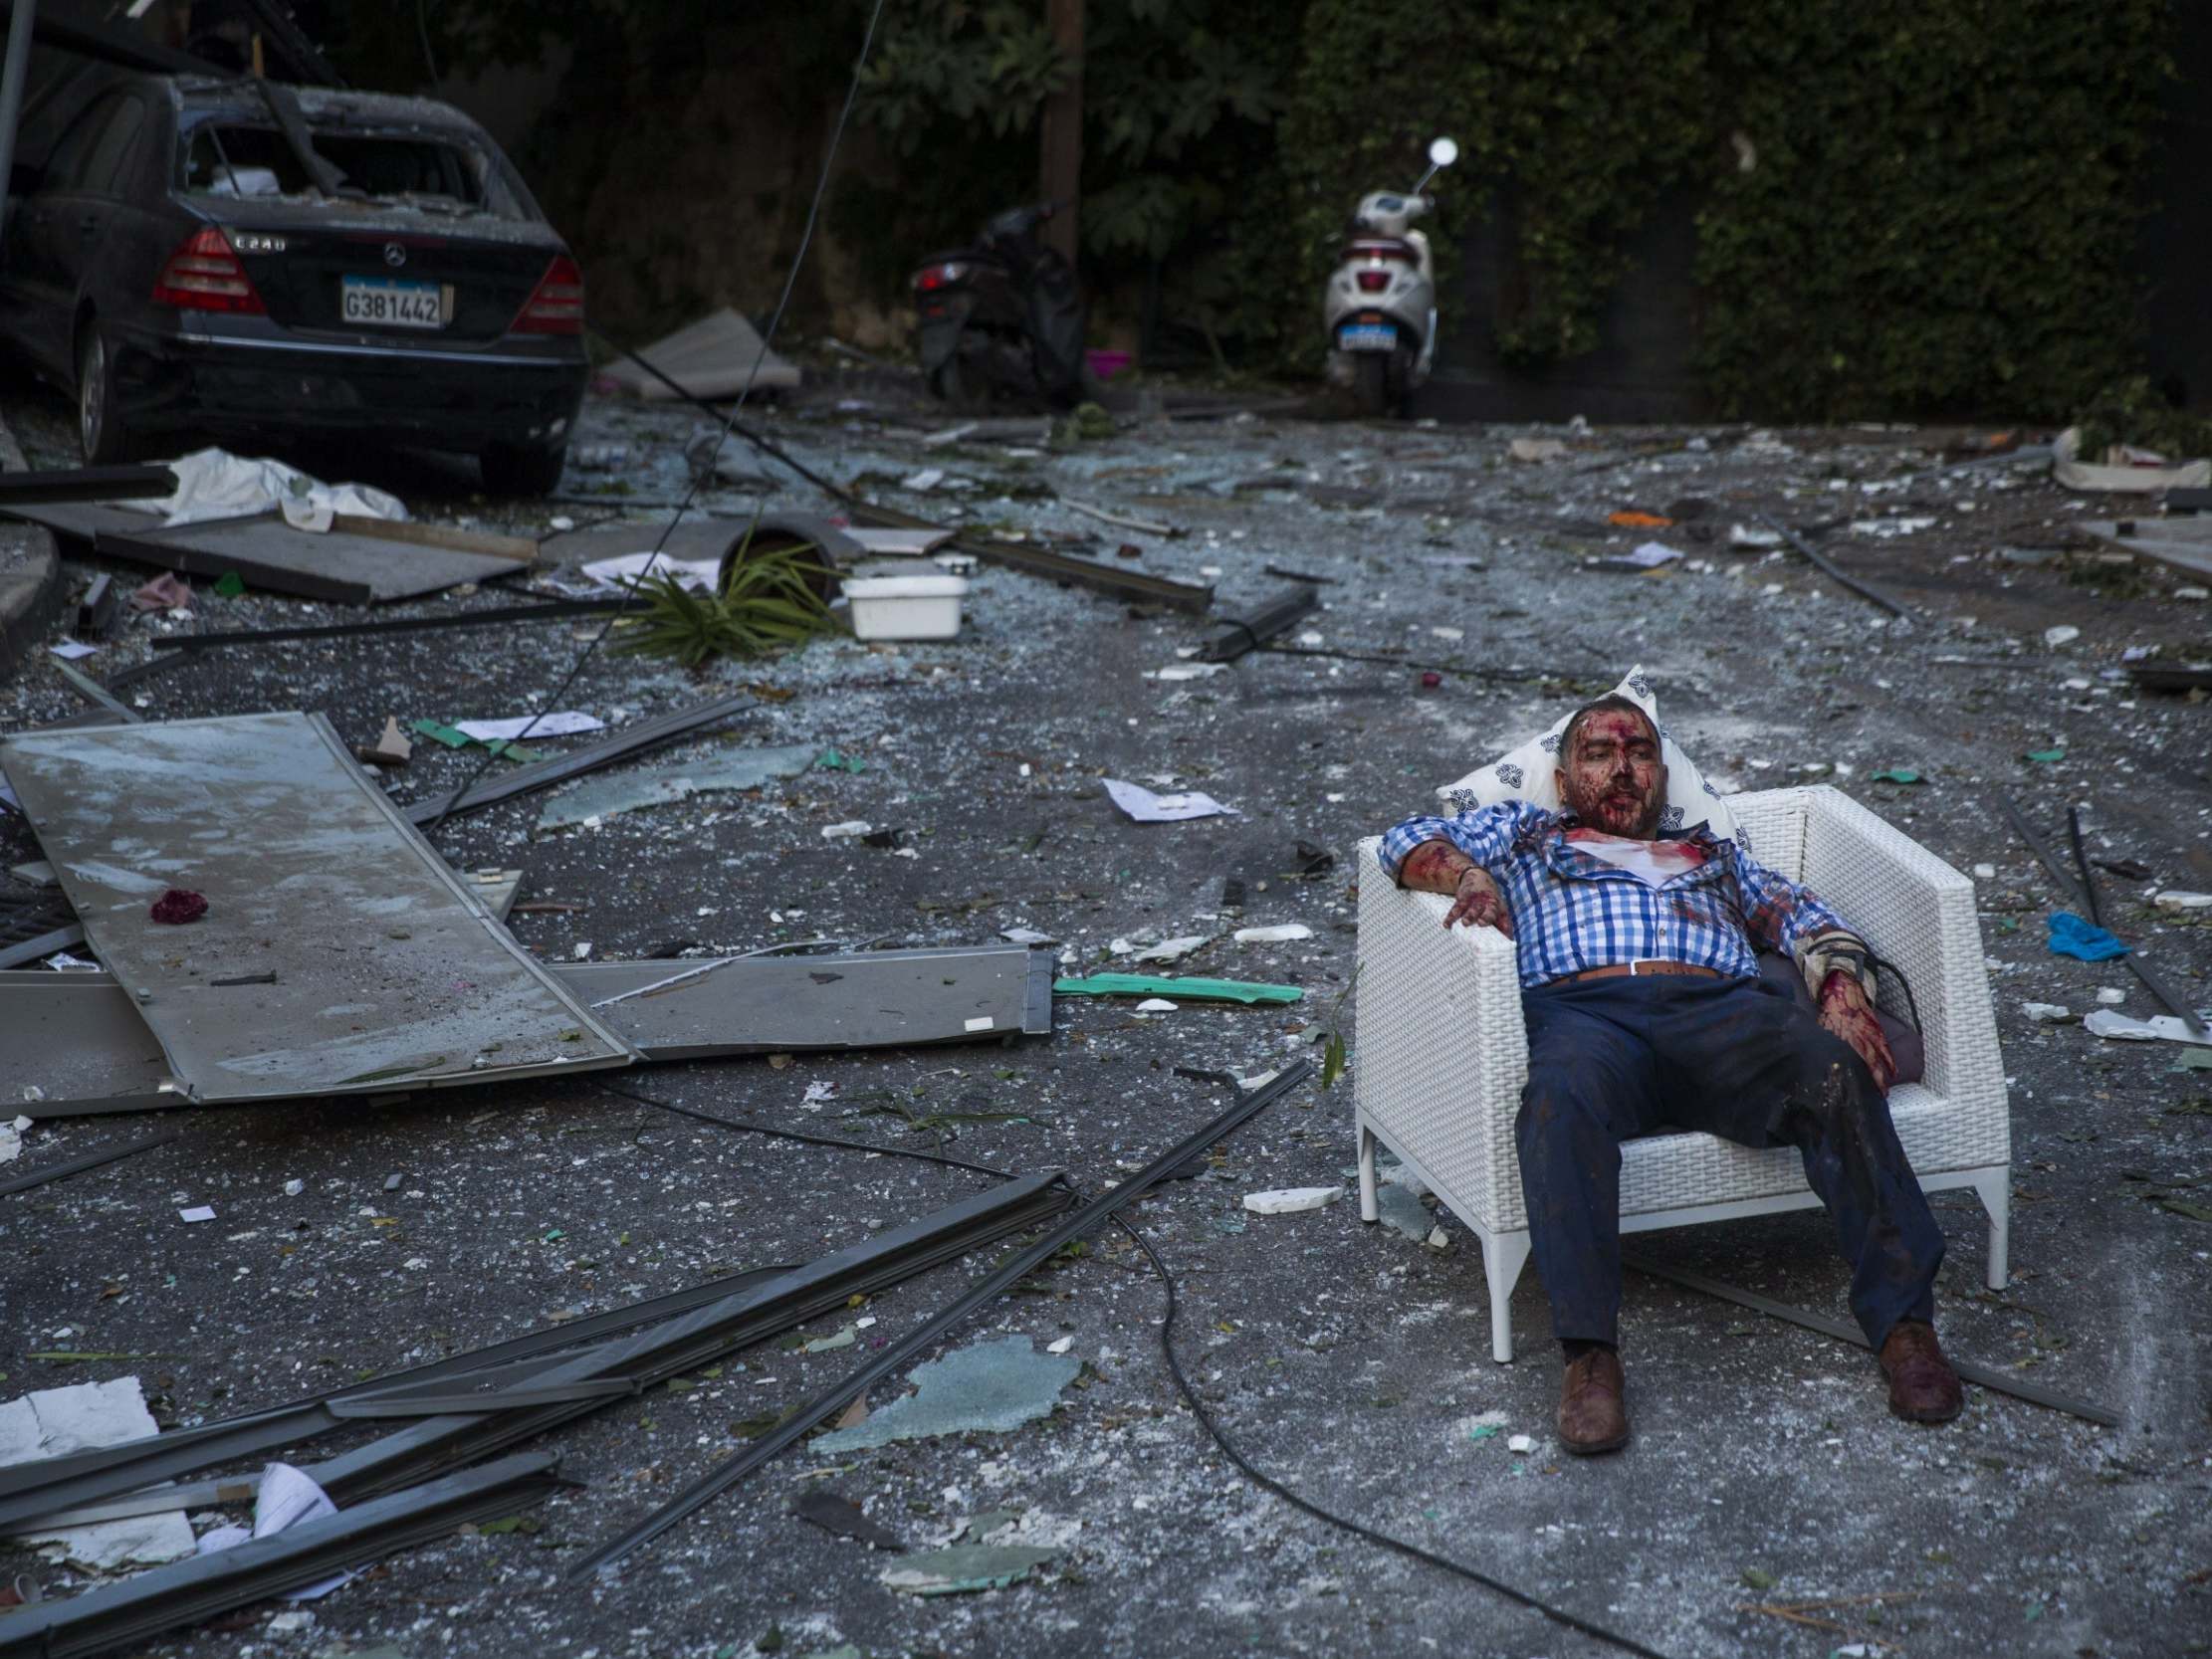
1768,1504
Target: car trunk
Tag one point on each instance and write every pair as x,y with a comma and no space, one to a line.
406,281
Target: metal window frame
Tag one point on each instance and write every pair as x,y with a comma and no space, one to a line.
1088,1218
78,1165
542,774
551,610
687,1328
188,1592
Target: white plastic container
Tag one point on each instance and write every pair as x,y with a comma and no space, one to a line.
905,607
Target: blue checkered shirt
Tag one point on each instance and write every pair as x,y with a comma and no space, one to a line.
1573,911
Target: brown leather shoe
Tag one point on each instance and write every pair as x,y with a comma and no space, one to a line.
1592,1404
1922,1387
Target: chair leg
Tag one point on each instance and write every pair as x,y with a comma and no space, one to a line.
1994,1188
1369,1211
1503,1257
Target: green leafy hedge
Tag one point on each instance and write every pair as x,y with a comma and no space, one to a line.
1941,207
1908,208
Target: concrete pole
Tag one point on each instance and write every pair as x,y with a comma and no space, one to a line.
1061,168
21,16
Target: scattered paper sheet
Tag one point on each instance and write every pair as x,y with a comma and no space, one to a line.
286,1498
2102,1022
53,1422
624,569
558,723
69,650
1174,949
1147,808
1292,1200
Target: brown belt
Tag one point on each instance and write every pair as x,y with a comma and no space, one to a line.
1640,971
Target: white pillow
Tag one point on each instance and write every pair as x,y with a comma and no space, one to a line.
1530,773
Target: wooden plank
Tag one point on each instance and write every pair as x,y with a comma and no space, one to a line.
517,547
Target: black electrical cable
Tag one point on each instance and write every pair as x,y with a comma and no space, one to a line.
1558,1615
796,1135
776,321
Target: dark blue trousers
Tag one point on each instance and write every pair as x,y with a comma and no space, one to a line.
1613,1058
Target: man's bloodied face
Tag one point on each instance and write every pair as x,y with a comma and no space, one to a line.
1615,780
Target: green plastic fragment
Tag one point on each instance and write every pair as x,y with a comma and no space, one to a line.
1199,990
831,760
454,738
2195,1060
1895,775
230,586
2044,756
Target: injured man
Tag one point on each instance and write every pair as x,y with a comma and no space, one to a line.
1646,1011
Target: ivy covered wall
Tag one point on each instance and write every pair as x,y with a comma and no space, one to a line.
1899,208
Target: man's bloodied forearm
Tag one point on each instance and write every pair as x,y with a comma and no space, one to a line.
1845,1012
1433,867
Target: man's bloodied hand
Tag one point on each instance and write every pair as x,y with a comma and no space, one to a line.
1845,1013
1476,901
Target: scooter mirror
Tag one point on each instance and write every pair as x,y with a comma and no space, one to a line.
1443,152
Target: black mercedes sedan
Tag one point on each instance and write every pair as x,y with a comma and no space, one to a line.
246,262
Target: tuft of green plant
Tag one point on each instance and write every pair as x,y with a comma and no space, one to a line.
2132,412
1334,1055
1088,423
769,603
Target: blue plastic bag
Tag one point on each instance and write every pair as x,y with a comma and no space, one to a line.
2071,937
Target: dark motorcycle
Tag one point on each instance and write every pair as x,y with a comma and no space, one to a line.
1001,316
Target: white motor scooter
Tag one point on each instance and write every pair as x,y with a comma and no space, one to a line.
1381,303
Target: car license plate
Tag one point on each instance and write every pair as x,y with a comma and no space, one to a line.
1367,336
391,303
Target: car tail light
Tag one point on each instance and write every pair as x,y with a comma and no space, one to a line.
934,277
1374,281
1382,247
204,274
556,305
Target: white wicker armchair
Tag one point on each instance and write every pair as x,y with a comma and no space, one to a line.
1442,1052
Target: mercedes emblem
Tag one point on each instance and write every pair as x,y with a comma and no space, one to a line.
394,254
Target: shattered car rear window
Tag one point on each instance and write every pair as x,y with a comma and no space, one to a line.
432,172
